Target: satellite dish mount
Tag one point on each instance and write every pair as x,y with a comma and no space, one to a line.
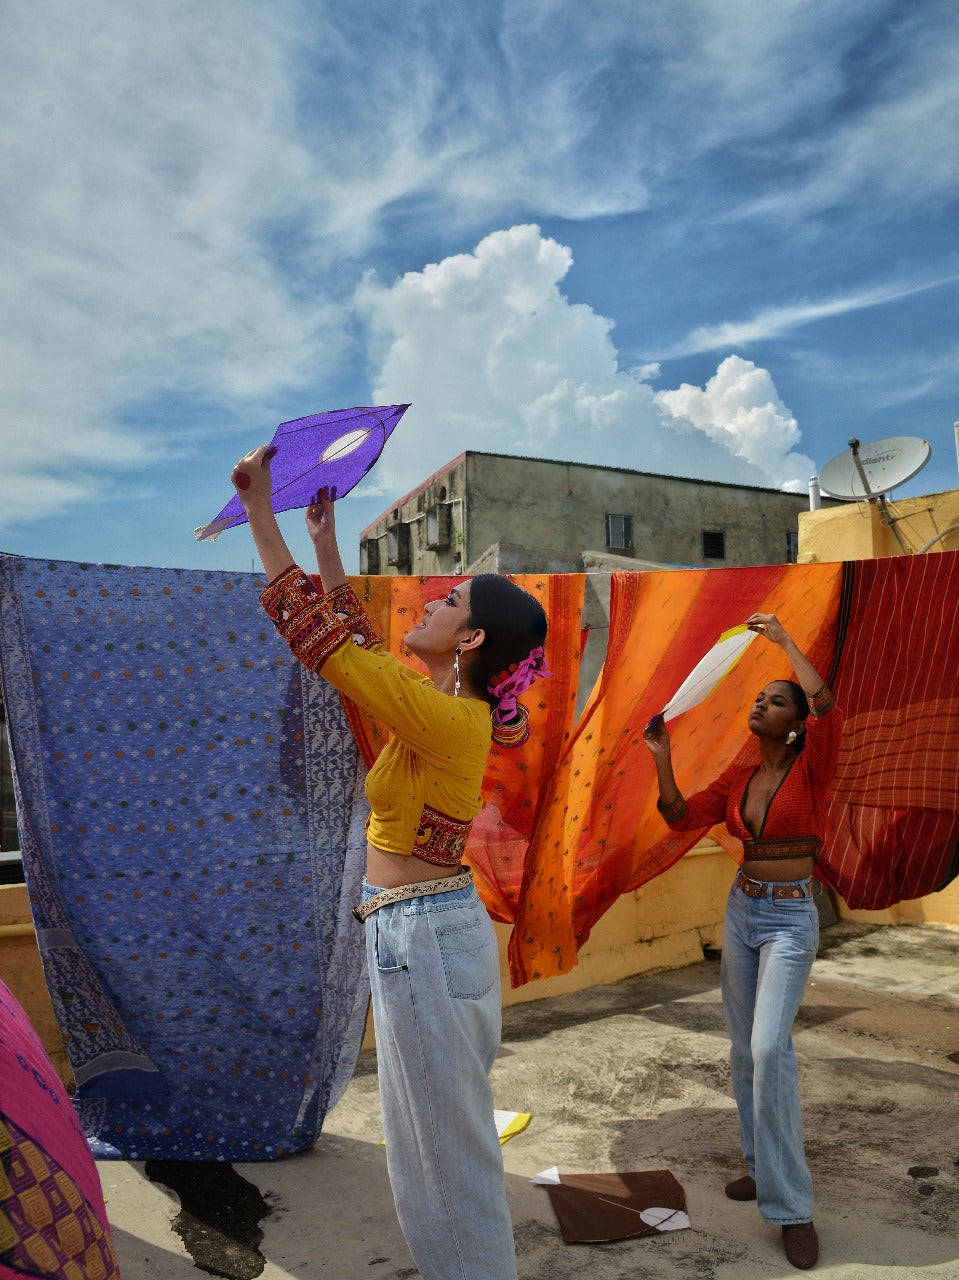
867,473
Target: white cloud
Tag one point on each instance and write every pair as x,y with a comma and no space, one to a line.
495,358
190,193
143,156
740,408
773,322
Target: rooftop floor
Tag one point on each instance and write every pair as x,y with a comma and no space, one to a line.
630,1077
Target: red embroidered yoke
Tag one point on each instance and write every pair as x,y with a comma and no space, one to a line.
797,809
424,787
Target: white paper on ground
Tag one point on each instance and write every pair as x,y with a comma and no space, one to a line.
665,1219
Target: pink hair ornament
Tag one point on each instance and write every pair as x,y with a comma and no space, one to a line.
515,682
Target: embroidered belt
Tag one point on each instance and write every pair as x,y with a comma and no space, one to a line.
441,839
760,888
779,850
403,892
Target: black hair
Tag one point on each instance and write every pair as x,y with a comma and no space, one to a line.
514,623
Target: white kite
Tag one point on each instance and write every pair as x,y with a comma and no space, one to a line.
706,674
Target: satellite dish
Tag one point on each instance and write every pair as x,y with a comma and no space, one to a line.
868,471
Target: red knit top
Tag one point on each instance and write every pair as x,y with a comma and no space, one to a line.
797,808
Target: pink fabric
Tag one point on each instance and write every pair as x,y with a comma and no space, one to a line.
521,676
36,1115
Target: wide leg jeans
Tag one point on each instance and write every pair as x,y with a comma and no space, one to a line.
434,975
768,949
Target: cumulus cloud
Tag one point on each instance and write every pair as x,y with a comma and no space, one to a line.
496,359
191,192
740,408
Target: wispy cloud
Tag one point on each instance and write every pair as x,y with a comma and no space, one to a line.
773,322
191,194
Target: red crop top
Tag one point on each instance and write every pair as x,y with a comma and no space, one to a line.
796,813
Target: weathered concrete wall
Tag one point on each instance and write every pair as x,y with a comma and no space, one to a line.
558,509
563,506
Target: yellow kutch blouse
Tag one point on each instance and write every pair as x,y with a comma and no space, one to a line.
424,788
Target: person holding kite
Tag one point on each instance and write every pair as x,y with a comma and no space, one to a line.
771,926
432,953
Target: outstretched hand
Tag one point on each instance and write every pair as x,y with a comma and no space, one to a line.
251,477
320,520
657,741
768,625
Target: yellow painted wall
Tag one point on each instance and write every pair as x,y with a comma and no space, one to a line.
664,925
863,530
937,908
22,972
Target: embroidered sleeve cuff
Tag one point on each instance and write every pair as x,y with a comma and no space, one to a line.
674,811
287,593
821,701
303,618
347,606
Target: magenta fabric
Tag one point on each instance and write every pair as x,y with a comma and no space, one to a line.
51,1205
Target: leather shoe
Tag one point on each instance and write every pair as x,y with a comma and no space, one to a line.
801,1244
743,1188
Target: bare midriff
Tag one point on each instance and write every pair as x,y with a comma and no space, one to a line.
390,870
777,870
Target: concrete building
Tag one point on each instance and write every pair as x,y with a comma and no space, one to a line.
534,515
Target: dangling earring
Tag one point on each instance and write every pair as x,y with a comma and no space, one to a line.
791,737
456,672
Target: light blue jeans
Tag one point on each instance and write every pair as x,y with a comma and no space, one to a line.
434,975
768,949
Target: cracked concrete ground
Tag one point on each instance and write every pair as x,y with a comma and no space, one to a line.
631,1076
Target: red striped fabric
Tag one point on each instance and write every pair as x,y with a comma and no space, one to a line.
893,830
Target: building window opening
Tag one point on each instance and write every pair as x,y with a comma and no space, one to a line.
714,544
619,532
792,546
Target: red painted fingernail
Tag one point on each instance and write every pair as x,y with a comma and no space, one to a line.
241,480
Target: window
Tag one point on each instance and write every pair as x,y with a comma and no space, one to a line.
398,544
792,547
619,532
370,555
714,544
438,522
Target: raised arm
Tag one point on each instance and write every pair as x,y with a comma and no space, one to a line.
813,685
671,803
321,527
251,478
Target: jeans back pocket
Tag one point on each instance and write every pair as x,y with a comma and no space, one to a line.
469,955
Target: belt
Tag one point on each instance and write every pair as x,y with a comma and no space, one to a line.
758,888
403,892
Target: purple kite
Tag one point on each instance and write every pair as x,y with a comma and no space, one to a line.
335,448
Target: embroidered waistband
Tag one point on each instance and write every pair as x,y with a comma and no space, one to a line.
780,850
441,839
403,893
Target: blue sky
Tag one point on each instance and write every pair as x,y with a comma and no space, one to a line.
693,237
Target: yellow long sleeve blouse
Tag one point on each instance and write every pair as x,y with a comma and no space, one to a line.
424,788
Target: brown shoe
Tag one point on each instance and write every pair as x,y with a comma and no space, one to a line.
743,1188
801,1244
